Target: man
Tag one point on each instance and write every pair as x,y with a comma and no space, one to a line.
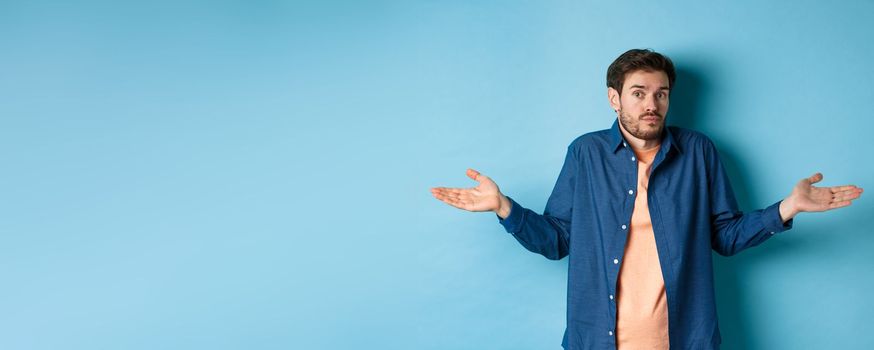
638,208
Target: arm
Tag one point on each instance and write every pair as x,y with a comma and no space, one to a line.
734,231
547,234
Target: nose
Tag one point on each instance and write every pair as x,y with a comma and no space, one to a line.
651,104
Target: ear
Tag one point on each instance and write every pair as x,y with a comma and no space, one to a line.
613,97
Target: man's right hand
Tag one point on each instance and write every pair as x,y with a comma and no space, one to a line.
484,197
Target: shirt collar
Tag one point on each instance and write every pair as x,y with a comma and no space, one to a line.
618,141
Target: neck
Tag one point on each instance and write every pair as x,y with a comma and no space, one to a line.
640,144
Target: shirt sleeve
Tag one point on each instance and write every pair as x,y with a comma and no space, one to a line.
547,234
732,230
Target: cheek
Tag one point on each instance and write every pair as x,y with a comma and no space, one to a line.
662,104
630,105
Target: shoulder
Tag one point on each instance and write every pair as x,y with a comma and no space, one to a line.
691,140
695,145
591,140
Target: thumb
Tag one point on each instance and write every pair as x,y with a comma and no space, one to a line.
815,178
473,174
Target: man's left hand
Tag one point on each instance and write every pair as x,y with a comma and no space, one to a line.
806,197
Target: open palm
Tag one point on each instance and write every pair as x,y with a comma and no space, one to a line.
811,198
484,197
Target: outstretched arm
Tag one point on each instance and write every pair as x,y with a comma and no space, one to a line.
547,234
733,231
806,197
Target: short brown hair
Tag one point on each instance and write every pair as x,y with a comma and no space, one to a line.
639,59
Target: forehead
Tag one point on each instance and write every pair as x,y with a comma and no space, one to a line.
649,80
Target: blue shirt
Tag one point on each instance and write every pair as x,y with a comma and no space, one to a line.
692,208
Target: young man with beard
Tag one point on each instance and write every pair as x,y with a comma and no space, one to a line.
638,208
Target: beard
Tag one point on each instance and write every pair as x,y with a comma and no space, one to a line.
641,129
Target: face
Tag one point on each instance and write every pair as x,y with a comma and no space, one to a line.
642,104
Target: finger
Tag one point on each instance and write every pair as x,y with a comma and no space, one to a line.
846,196
444,195
836,205
460,204
451,202
836,189
458,196
448,200
847,192
453,194
448,191
472,174
441,197
439,192
458,193
815,178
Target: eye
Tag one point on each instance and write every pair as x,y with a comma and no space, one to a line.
661,95
637,94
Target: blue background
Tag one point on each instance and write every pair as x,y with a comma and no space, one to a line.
255,174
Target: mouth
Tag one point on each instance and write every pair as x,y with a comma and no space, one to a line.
650,118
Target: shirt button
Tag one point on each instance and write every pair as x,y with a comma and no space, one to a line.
772,232
632,159
611,296
610,332
615,261
623,227
630,191
624,144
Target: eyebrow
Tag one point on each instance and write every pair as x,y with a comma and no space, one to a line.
643,87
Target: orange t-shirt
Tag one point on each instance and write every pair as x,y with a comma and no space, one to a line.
642,316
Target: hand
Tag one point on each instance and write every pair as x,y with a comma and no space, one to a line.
808,198
484,197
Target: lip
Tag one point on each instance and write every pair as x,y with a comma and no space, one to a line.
650,119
